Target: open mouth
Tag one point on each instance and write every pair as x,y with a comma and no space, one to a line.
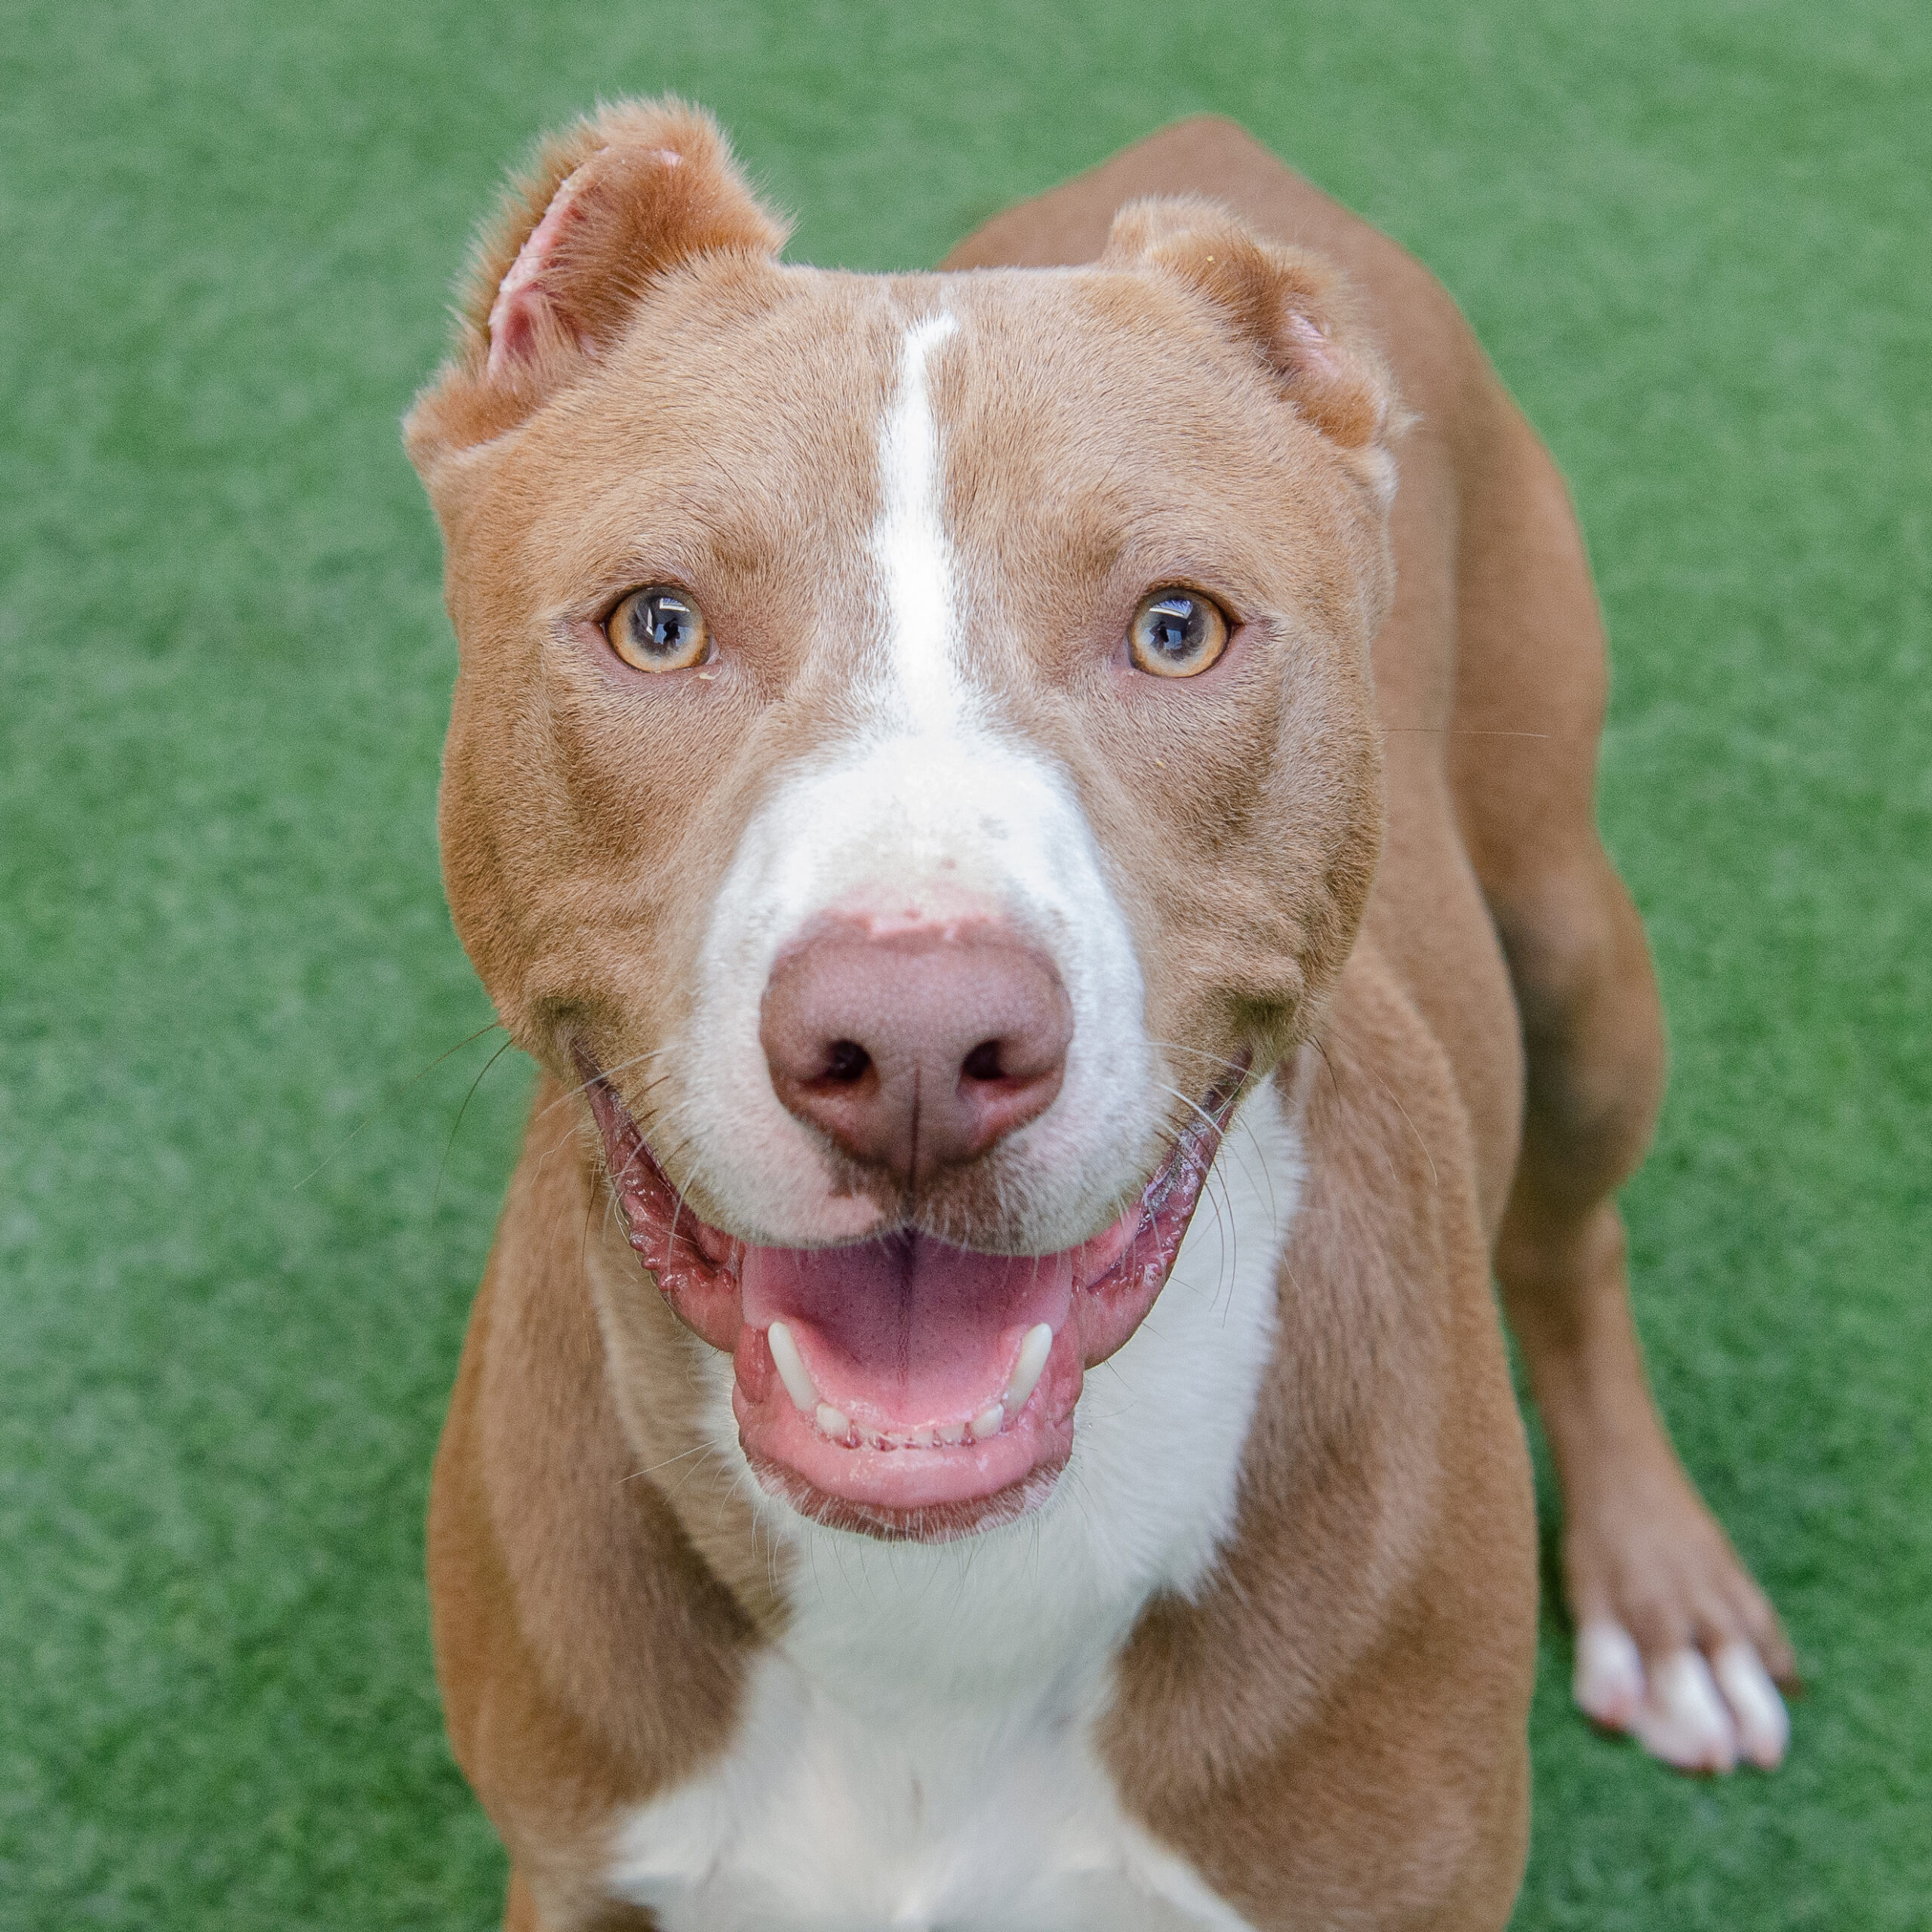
900,1385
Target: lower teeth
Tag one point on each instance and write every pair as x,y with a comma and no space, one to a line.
838,1427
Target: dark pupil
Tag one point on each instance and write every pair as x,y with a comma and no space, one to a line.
664,623
1174,625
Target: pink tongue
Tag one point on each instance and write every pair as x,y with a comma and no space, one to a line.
906,1331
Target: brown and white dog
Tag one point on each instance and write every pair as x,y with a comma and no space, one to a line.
1058,905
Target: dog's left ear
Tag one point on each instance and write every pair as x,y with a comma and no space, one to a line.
1294,309
627,195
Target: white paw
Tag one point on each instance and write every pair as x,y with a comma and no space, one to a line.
1696,1715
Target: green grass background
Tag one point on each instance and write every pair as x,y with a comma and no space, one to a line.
1695,237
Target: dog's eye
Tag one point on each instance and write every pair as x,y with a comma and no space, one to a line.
1176,633
658,630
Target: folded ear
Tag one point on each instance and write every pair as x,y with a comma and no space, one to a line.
609,205
1293,308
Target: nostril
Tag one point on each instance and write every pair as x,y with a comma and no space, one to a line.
846,1062
983,1062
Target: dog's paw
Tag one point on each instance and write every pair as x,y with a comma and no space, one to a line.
1692,1712
1676,1643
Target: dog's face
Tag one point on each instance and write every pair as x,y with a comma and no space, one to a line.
912,762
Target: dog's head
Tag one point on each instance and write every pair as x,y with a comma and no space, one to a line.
912,762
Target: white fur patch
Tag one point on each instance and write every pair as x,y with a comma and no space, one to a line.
919,1752
910,549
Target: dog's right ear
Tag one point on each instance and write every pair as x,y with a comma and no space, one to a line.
626,195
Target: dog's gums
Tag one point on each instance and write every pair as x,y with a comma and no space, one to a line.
901,1386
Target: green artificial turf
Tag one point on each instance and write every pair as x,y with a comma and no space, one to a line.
1697,238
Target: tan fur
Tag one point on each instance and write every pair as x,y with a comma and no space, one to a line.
1333,1733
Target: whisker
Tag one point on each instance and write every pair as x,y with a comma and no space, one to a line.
1321,1046
614,1182
1247,1126
570,1133
688,1474
443,1166
564,1139
1246,1174
696,1449
675,1156
603,1073
376,1112
1198,1053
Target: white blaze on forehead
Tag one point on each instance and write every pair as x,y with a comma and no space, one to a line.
909,543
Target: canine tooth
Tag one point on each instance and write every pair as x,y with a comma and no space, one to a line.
791,1370
834,1422
988,1421
1033,1353
952,1431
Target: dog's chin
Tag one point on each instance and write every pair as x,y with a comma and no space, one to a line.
901,1387
930,1522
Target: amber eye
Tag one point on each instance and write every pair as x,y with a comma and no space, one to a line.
658,630
1176,633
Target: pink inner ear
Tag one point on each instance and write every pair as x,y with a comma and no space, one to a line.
1312,347
521,295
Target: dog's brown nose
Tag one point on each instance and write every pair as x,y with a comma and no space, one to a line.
917,1050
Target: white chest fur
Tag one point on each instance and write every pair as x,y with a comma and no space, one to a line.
919,1753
